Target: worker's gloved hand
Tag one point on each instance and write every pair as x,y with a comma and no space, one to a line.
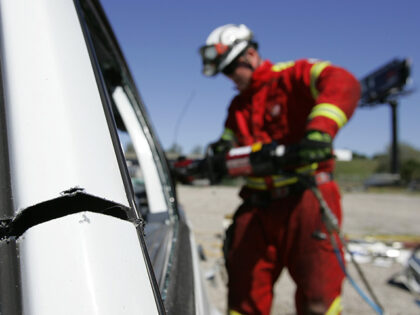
263,159
316,146
221,146
214,163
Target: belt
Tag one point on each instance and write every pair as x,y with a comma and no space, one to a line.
278,181
260,196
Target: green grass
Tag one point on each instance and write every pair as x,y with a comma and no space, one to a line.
352,174
355,170
362,168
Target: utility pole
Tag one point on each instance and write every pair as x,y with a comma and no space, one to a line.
395,163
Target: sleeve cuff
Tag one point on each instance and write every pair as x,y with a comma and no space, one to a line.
323,124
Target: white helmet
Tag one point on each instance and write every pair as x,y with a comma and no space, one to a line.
223,45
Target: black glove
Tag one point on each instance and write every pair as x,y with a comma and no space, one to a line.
316,146
214,162
263,160
221,146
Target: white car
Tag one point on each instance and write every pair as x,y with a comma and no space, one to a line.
89,217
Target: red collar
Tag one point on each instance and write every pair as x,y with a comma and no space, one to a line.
260,76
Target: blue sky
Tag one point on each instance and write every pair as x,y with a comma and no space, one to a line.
160,40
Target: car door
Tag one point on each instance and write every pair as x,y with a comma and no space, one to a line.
89,220
71,233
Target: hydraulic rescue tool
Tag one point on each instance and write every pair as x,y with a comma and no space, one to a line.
268,159
258,159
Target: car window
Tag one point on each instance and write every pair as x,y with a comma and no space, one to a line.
149,173
150,180
147,183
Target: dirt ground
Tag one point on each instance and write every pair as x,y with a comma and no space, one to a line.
387,215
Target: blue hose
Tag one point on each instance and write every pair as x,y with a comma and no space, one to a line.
372,304
331,224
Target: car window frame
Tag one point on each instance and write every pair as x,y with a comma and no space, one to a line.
107,107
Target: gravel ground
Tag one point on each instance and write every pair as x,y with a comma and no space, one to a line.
390,215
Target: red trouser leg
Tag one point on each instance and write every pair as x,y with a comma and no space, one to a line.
251,264
266,239
313,264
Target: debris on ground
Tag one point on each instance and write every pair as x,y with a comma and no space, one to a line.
382,250
409,277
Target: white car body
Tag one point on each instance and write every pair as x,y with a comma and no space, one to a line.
76,236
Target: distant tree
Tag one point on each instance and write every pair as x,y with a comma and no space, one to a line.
175,149
130,153
360,156
408,152
197,150
129,147
410,170
379,156
383,163
409,161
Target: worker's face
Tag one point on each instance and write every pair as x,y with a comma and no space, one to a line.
241,74
240,71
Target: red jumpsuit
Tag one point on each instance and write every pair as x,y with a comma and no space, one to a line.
283,102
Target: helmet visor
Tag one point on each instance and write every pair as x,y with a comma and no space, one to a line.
212,52
212,55
209,69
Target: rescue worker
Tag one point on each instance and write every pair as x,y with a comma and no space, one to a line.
302,103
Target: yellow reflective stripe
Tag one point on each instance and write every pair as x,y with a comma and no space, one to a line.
330,111
316,70
307,168
256,183
285,182
228,134
232,312
336,307
278,181
282,66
